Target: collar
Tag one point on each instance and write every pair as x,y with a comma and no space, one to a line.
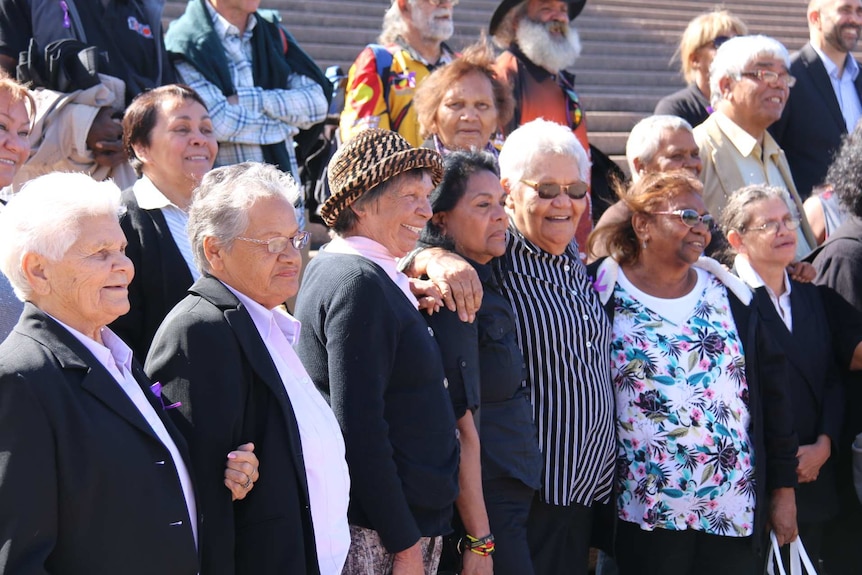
749,275
744,142
149,197
850,65
446,54
609,269
265,319
111,350
223,28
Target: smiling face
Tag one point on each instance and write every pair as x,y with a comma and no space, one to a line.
840,23
467,115
548,223
14,137
671,241
395,218
88,288
677,150
477,224
182,149
269,279
762,247
756,104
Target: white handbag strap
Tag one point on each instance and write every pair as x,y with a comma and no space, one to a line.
798,558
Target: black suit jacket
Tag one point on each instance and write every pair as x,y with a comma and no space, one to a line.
811,126
161,280
209,355
814,383
85,484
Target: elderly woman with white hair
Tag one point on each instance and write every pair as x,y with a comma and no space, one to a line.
225,354
750,84
95,478
563,334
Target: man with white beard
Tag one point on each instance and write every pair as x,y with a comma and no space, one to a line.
383,79
540,47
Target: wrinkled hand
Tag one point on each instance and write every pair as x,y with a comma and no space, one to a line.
428,294
241,471
811,459
458,282
474,564
409,561
782,514
105,139
802,272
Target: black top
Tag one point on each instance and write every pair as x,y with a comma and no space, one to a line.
689,104
371,354
484,366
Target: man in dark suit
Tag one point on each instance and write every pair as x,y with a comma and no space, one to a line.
225,353
825,102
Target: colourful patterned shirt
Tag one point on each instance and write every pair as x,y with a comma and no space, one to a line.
684,456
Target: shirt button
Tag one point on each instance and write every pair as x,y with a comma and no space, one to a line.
567,267
430,331
585,317
445,383
589,344
463,364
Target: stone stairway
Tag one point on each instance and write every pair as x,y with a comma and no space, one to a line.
626,66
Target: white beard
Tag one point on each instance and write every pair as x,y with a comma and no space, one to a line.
544,49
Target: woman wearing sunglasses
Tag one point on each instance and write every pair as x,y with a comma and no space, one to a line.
815,337
702,37
704,426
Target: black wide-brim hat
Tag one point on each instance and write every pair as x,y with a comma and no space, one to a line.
575,8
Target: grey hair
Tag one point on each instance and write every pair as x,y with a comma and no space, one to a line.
646,136
737,53
45,218
536,138
220,204
736,214
505,34
393,23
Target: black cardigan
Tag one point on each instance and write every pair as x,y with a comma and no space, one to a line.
374,358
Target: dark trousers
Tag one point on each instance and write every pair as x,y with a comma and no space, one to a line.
508,503
689,552
559,538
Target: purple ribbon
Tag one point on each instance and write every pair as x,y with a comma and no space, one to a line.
156,388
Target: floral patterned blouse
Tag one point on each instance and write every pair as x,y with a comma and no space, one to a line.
684,456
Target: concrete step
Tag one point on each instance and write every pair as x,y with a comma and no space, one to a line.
614,121
608,142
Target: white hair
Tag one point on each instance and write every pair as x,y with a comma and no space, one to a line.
736,54
44,218
393,24
220,204
646,136
540,137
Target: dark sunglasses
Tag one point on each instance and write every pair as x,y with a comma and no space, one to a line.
718,41
690,217
549,191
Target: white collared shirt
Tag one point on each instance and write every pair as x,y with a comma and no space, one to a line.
149,197
752,278
844,87
322,442
116,357
377,253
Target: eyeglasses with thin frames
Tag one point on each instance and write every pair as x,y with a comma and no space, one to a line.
549,190
771,77
278,244
772,226
690,217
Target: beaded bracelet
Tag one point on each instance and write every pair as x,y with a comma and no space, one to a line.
483,546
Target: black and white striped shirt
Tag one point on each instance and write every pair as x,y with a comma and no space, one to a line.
565,338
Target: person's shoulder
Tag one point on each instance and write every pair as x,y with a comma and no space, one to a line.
24,358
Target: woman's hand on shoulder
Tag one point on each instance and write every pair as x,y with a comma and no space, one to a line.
427,294
802,272
241,471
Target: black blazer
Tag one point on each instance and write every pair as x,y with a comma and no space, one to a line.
209,356
811,125
161,280
86,486
813,381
